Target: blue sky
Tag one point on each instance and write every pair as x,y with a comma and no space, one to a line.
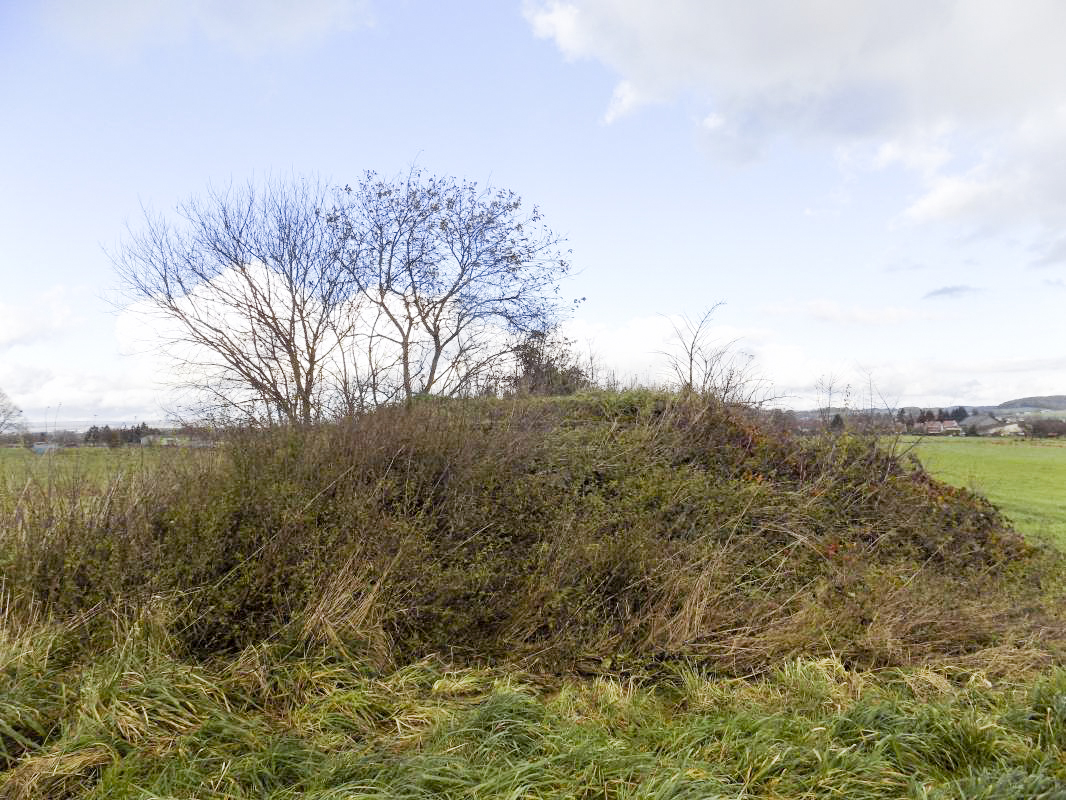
875,191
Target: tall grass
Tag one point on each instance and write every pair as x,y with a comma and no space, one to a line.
134,719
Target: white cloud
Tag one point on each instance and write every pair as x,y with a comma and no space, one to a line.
636,348
1019,180
558,21
885,377
246,26
624,100
43,316
53,378
845,68
914,379
922,151
953,196
118,390
824,310
631,349
1051,253
966,94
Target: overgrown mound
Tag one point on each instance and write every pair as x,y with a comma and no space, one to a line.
584,533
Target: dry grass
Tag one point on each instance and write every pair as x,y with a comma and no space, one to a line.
596,533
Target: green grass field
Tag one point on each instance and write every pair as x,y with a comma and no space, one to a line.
1025,478
70,470
96,463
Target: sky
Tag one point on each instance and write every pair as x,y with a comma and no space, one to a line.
874,192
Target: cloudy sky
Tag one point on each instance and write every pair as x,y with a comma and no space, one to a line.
876,191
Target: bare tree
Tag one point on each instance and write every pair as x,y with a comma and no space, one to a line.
830,392
699,364
293,301
452,276
10,414
253,297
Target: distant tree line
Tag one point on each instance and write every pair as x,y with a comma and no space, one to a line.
959,413
1044,428
116,437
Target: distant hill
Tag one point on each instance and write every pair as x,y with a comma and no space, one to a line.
1053,402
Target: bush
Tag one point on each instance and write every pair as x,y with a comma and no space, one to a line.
588,532
1045,428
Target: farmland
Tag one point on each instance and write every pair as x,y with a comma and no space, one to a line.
1026,479
97,462
96,466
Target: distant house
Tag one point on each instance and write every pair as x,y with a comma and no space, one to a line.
988,425
1010,429
159,440
165,440
948,427
43,448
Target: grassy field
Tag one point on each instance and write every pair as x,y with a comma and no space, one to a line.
1025,478
71,466
99,462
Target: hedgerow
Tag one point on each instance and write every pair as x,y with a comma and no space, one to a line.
621,530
